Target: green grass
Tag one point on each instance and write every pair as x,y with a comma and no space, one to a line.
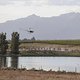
60,42
50,53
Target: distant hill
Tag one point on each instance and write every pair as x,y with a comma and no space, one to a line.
65,26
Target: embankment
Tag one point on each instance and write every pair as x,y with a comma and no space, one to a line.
37,75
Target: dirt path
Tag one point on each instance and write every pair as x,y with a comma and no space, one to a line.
36,75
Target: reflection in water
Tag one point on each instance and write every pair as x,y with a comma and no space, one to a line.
14,62
47,63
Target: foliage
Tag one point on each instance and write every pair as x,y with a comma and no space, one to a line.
15,42
3,43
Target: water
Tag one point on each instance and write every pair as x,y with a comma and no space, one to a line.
69,64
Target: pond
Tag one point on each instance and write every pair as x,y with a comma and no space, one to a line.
69,64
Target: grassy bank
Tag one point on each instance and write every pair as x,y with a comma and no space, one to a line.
50,53
72,45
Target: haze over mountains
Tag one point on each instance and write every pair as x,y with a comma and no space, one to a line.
65,26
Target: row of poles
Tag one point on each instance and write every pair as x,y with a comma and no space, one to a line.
14,45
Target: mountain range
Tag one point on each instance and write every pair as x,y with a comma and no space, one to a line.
65,26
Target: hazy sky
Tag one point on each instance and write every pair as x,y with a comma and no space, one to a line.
13,9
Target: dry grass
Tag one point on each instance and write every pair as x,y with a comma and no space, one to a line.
36,75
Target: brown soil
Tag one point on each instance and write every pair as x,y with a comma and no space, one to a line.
36,75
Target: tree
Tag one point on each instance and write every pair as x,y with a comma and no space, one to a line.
3,43
15,43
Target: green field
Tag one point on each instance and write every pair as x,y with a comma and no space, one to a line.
60,42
